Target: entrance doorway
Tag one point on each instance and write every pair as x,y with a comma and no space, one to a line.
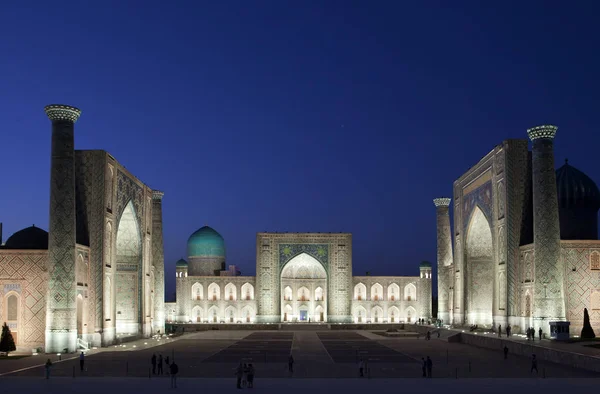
303,315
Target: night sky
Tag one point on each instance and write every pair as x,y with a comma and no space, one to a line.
307,116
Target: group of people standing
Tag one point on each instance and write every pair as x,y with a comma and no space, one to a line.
531,333
172,368
426,367
508,330
245,375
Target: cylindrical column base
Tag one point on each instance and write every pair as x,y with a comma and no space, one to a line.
61,341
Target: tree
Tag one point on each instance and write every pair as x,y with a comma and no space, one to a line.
7,343
587,331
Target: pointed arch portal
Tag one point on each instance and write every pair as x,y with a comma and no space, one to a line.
480,270
303,290
128,278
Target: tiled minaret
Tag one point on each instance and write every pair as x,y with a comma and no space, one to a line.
158,260
61,298
424,297
548,280
444,257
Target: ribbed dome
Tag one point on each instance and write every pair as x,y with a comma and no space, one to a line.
206,242
28,238
575,189
181,263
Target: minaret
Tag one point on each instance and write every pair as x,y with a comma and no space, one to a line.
61,297
158,260
548,300
444,257
424,297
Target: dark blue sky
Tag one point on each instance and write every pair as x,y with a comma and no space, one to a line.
318,116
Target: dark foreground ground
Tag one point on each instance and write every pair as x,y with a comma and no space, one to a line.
292,386
326,354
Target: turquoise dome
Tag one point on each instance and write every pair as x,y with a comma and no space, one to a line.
206,242
181,263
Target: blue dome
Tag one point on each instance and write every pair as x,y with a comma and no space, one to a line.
575,189
206,242
181,263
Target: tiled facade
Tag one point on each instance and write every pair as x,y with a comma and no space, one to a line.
302,277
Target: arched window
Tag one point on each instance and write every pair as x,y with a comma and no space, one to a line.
360,292
12,315
410,292
197,291
12,308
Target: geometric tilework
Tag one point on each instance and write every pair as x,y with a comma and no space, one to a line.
61,299
548,286
25,273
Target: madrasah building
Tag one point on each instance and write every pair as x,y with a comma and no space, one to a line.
97,276
524,249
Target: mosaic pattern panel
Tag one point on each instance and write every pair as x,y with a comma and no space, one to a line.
480,197
14,267
318,251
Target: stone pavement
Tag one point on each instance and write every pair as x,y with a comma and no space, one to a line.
215,354
293,386
9,366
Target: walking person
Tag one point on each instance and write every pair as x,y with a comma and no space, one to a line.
81,361
429,367
160,364
153,361
533,365
540,333
250,376
239,373
167,364
361,368
173,370
505,352
48,366
508,330
291,364
424,367
245,376
500,330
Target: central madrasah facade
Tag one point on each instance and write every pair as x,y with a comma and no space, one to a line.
97,276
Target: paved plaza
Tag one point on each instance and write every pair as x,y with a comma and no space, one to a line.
317,354
293,386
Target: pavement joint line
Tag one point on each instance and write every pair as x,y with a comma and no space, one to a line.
324,348
37,366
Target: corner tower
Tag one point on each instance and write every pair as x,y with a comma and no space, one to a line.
424,297
548,296
61,297
444,257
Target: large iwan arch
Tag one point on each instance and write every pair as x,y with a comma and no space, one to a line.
128,277
301,277
479,254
